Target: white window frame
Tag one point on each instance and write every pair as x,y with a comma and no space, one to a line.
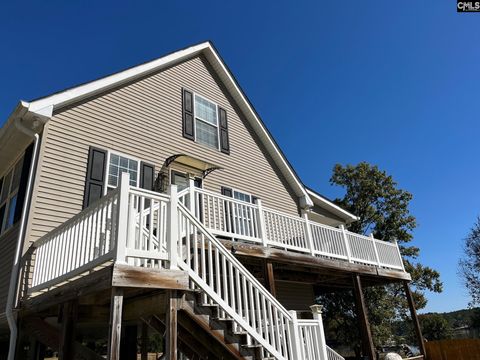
195,118
241,192
107,171
10,195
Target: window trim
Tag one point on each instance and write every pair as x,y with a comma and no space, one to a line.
195,118
107,170
242,192
10,194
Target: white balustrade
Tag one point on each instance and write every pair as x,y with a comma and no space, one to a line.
86,240
146,243
225,216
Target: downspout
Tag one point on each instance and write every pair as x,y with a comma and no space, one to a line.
13,287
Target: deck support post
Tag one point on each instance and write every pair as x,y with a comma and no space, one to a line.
115,329
171,342
362,312
416,322
269,277
67,335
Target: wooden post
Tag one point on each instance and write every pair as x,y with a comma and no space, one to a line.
269,277
144,349
115,329
172,227
67,335
171,342
416,322
367,339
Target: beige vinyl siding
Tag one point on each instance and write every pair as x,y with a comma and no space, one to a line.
8,241
295,296
144,120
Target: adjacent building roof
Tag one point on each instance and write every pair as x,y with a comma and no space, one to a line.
44,107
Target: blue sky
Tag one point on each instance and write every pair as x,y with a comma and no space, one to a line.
394,84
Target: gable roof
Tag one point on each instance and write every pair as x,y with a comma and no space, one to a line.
44,107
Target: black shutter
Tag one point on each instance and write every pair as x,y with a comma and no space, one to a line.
188,120
224,142
147,173
95,180
254,199
22,188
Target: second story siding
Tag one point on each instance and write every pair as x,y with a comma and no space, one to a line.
144,120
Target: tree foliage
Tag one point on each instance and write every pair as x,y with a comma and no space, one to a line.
470,264
435,327
383,209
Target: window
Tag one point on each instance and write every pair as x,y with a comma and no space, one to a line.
206,122
238,195
9,186
242,196
118,164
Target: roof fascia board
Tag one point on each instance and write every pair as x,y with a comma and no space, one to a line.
261,130
80,92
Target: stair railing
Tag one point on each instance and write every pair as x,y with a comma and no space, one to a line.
227,283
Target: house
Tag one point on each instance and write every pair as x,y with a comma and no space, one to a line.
155,200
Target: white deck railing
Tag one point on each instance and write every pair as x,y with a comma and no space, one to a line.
147,229
79,244
225,216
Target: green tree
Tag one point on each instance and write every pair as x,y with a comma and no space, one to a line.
470,264
382,209
434,327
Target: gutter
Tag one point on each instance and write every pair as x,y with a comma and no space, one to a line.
13,286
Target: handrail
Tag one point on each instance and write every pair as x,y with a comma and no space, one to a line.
226,216
67,223
333,355
82,242
226,282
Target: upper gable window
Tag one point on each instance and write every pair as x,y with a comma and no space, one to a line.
205,122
